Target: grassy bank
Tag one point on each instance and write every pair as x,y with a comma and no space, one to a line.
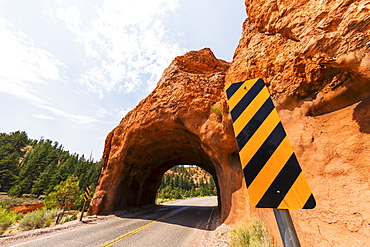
254,235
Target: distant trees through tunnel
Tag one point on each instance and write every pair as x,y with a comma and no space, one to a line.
185,181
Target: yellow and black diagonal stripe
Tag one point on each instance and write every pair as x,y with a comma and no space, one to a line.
87,193
272,173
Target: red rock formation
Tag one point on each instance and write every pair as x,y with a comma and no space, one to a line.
27,208
309,49
315,55
183,121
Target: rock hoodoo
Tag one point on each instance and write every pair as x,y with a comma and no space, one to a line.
315,57
183,121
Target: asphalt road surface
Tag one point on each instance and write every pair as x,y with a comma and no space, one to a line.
177,223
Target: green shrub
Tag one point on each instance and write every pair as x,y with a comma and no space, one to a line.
65,194
254,235
49,216
7,218
38,219
216,110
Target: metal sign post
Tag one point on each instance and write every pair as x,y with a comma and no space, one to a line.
286,228
272,173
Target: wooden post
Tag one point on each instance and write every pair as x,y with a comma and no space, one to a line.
82,211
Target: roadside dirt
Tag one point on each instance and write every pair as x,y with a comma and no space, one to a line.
217,234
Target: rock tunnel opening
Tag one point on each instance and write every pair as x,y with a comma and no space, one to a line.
157,149
184,181
185,120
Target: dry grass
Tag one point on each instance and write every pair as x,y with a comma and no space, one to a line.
254,235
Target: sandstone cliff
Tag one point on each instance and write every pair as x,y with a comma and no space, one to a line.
315,57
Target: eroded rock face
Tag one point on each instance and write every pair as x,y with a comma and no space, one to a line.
310,49
315,56
183,121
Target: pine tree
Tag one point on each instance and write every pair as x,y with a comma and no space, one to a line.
43,182
64,195
33,164
11,150
8,170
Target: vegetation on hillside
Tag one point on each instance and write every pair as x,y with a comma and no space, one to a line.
36,166
185,181
41,169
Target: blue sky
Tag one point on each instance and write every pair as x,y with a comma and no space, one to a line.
71,70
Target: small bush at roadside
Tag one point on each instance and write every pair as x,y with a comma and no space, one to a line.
38,219
7,218
254,235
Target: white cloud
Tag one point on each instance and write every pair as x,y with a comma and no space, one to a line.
23,120
71,16
20,90
23,65
122,112
103,112
125,48
22,60
126,44
44,117
77,119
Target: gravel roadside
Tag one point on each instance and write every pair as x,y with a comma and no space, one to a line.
217,234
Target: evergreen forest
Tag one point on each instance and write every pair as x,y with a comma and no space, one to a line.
186,181
35,167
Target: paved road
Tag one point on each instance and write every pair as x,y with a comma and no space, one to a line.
178,223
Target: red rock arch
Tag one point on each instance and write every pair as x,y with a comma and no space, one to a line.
165,146
185,120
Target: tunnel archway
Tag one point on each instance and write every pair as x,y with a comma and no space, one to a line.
185,120
165,150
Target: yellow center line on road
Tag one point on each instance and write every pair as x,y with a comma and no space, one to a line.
116,240
131,233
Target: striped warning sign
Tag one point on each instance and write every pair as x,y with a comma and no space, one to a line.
272,173
87,193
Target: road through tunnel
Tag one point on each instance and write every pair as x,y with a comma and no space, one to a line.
176,146
185,120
